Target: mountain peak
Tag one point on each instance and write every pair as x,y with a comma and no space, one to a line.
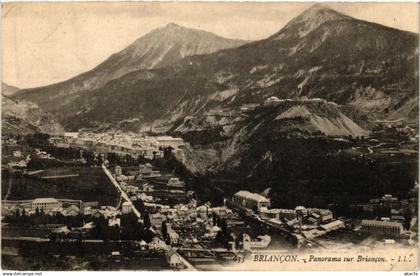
319,7
161,47
320,11
173,26
309,20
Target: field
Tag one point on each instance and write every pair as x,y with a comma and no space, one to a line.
91,184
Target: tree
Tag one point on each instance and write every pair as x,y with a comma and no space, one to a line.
89,157
255,209
99,160
223,226
168,240
239,240
148,236
52,236
167,152
113,158
407,219
221,239
146,220
218,221
139,204
141,159
164,230
128,159
37,211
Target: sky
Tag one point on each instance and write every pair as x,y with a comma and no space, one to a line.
45,43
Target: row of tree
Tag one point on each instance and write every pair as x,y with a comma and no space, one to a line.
22,218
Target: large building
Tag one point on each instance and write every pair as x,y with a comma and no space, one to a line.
168,141
145,169
45,204
334,225
322,215
175,182
118,170
70,136
380,227
272,101
251,200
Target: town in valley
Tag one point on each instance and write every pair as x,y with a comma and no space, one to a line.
141,212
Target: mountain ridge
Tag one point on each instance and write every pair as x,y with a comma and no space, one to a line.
158,48
341,59
21,117
8,90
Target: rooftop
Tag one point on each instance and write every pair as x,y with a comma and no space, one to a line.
381,222
332,224
73,207
45,200
252,196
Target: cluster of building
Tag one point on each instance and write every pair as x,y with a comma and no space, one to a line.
149,147
393,207
251,200
308,222
392,224
273,101
19,164
387,201
194,226
108,212
66,207
42,154
14,158
144,172
148,184
19,160
48,206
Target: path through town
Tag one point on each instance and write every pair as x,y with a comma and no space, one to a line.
124,195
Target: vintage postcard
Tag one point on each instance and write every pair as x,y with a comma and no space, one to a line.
209,136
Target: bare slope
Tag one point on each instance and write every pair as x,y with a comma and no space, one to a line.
8,90
21,117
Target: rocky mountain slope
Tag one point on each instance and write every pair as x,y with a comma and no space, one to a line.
21,117
409,111
159,48
219,135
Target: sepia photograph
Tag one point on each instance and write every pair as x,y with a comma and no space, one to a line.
209,136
